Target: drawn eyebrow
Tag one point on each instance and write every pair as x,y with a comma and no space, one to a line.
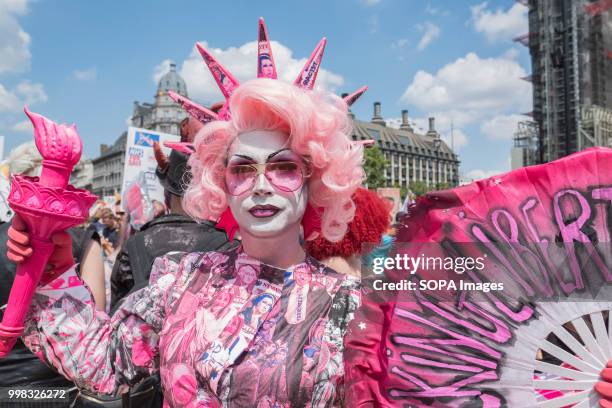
243,156
277,152
267,158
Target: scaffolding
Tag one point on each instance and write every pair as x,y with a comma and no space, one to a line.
570,42
525,150
595,127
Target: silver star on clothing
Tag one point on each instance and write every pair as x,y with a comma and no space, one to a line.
362,325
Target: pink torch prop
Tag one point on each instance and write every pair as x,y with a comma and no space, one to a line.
47,205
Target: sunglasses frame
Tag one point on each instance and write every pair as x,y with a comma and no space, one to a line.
304,169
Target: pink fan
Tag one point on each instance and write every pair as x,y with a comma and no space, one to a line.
543,231
47,205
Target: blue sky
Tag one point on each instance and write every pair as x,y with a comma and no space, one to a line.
86,62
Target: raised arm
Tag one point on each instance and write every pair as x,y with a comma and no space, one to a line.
99,353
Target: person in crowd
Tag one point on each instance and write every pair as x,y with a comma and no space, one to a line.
284,148
175,231
110,234
159,209
364,236
95,214
21,368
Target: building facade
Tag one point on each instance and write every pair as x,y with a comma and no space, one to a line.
412,157
82,175
108,168
164,115
569,42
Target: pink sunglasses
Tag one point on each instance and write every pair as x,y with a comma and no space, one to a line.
285,176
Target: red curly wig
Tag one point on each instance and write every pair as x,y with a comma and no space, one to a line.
371,221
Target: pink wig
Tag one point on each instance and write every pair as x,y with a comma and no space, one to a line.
318,128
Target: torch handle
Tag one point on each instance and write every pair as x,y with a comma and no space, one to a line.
27,278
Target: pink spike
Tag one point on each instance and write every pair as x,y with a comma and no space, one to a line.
266,68
365,143
307,77
352,98
225,80
200,113
182,147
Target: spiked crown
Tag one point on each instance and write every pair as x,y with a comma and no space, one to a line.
266,68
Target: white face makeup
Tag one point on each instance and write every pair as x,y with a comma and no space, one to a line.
265,211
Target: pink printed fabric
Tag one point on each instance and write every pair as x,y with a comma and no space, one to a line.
404,348
222,329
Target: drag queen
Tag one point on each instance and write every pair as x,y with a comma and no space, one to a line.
275,159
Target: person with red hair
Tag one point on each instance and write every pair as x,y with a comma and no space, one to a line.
365,232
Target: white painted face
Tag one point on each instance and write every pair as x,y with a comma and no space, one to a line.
284,209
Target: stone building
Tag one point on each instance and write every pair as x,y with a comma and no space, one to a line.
163,115
108,168
411,156
82,175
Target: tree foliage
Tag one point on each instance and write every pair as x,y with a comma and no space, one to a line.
420,187
374,167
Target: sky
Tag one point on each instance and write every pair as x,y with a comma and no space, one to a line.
86,62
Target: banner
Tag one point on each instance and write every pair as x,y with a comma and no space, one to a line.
5,186
140,185
495,294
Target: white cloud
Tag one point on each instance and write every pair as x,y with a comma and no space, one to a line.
25,93
455,138
435,11
9,102
161,69
373,24
15,53
23,126
443,122
31,93
469,90
242,62
457,141
430,32
479,174
371,2
511,53
88,74
401,43
471,85
500,24
501,127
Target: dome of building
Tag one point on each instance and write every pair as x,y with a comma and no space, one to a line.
172,81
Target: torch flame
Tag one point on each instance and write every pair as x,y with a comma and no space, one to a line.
56,142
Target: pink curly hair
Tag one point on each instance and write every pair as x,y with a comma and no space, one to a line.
319,130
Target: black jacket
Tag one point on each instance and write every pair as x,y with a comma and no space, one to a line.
170,232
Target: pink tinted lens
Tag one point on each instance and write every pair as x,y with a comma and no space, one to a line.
239,178
286,176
